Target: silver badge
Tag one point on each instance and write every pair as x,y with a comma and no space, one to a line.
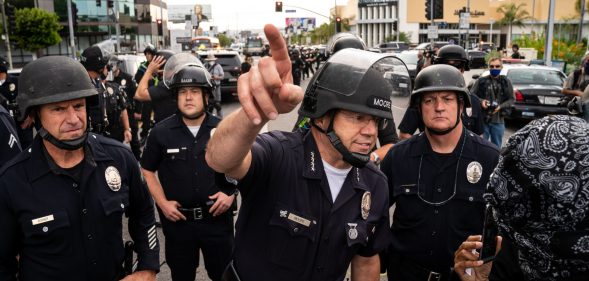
45,229
123,82
110,91
365,205
469,111
353,232
113,178
283,214
11,87
474,171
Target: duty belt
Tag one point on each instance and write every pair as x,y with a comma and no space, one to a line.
193,214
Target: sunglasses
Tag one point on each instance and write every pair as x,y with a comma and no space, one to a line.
495,66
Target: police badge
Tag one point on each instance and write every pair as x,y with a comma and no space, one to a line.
353,232
110,90
474,172
123,82
11,87
113,178
365,205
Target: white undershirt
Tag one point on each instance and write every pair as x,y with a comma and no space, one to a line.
194,130
336,178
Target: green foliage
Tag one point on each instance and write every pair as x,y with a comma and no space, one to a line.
36,29
512,15
492,54
568,51
578,7
322,33
224,40
403,37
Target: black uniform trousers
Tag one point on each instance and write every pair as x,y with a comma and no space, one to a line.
184,239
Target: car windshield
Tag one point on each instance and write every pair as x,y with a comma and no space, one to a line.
536,76
226,60
408,58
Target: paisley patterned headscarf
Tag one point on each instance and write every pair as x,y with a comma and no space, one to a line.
540,193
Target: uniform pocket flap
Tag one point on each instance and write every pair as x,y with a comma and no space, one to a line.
296,223
45,225
115,203
405,189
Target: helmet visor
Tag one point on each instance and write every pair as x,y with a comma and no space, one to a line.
175,63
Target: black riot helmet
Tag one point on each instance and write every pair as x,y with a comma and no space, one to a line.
191,75
344,40
437,78
54,79
357,81
167,54
94,59
453,55
150,49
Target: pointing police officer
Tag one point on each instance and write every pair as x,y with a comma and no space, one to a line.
63,199
436,180
312,201
193,201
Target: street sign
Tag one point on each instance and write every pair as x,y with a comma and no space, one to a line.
432,32
290,11
181,40
464,20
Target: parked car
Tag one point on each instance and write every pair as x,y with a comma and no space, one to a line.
231,63
537,90
477,59
426,45
392,47
410,60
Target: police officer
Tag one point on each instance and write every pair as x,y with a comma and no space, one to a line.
312,201
145,107
297,66
438,189
9,143
110,117
161,98
9,91
63,199
387,135
127,88
473,120
194,209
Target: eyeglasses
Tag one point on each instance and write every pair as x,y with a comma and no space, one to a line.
363,120
491,66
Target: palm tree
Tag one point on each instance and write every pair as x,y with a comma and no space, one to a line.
512,15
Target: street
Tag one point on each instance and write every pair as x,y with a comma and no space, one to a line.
285,122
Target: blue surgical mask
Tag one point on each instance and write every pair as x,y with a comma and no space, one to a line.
495,72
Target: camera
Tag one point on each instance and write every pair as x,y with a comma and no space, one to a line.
491,106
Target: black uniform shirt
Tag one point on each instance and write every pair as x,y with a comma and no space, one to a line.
163,102
9,143
68,230
426,234
412,121
290,229
9,89
179,159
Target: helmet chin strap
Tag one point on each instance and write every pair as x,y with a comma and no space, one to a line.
193,117
67,145
357,160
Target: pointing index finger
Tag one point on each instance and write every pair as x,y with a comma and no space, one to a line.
279,51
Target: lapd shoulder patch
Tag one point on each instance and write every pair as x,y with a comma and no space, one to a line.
379,103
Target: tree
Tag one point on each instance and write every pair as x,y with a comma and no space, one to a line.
578,7
224,40
36,29
403,37
512,15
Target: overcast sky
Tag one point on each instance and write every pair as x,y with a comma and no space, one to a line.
253,14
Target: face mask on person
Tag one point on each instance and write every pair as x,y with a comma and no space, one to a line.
495,72
586,68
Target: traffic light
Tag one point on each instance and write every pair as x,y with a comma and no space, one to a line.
159,27
278,6
394,26
110,3
98,3
438,9
428,9
11,16
338,24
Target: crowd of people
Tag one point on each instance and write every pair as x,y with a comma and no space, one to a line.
314,201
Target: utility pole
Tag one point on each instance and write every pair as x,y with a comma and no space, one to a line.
335,15
467,43
548,47
7,39
431,12
397,19
580,34
117,25
70,22
491,21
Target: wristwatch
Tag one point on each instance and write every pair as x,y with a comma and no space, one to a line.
376,158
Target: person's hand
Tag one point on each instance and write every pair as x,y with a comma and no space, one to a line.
222,203
170,210
466,257
155,64
484,104
142,275
27,123
497,109
267,89
128,136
